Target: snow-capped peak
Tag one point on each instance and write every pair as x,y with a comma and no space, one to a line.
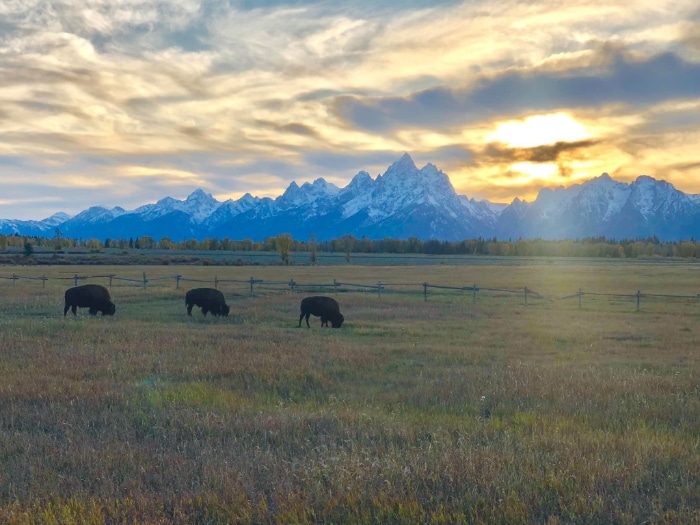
57,218
295,196
405,163
198,205
99,214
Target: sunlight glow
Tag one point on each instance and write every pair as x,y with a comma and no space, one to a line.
538,130
536,171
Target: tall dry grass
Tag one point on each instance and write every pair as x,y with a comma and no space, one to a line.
442,411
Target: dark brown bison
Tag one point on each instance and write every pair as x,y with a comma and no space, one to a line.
326,308
92,296
209,299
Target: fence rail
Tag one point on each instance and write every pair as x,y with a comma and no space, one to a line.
343,287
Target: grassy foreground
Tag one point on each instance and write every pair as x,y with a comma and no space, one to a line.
442,411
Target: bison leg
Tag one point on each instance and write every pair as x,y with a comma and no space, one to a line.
74,309
324,321
189,309
65,309
205,310
307,319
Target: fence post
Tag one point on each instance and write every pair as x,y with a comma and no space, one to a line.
144,280
474,294
526,296
110,280
177,282
335,287
379,289
75,280
251,286
43,281
425,291
579,298
639,295
14,278
291,285
216,282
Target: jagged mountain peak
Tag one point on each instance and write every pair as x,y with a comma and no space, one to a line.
405,163
647,179
198,205
58,218
400,169
98,214
405,201
199,195
361,180
309,192
652,197
247,197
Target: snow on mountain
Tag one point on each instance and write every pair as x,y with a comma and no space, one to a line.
42,227
56,219
605,207
485,210
403,202
296,196
198,205
653,197
230,208
602,197
356,195
551,203
402,184
97,214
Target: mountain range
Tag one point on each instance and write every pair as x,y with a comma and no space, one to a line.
403,202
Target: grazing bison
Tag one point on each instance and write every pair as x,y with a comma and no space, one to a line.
91,296
326,308
210,299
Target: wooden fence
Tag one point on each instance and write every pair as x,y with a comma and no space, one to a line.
426,289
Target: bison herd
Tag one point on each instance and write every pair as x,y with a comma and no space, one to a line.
97,299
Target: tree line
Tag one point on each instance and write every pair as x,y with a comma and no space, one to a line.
285,245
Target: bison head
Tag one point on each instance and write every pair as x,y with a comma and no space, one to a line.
225,309
110,309
337,320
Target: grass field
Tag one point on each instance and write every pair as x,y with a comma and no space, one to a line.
445,411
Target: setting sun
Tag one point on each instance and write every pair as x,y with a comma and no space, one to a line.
538,130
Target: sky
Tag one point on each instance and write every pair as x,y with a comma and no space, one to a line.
124,102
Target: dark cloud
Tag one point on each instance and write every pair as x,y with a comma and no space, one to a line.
686,166
450,155
24,74
299,129
620,79
51,108
192,132
59,141
496,152
425,108
296,128
672,121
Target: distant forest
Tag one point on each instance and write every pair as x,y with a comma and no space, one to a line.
284,244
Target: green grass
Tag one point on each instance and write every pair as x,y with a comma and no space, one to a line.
414,412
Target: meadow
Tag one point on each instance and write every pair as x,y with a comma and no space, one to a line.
438,411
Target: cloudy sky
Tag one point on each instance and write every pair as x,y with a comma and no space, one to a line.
123,102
